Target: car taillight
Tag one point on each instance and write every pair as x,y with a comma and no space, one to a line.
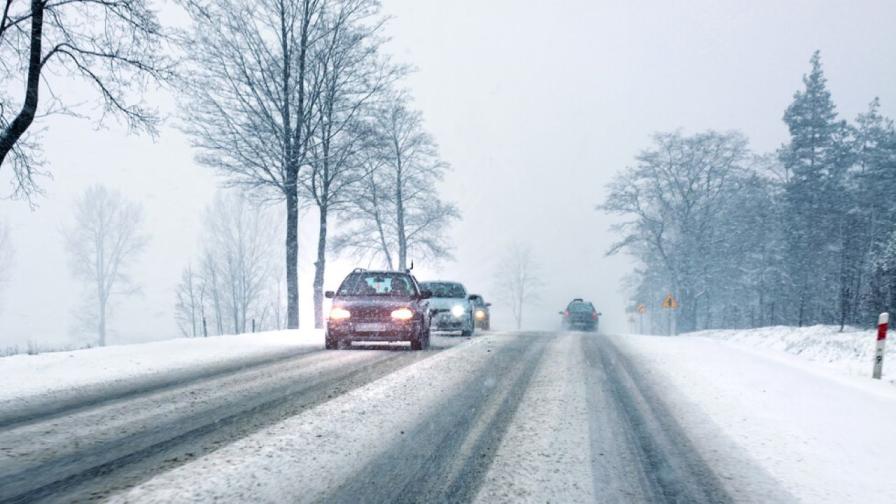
565,313
593,315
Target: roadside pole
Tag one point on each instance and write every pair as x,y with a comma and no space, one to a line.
882,323
642,309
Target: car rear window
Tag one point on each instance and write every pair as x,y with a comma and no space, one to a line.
378,284
580,307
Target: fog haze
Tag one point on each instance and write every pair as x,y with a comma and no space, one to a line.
535,105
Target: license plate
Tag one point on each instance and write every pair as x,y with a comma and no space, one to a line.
371,327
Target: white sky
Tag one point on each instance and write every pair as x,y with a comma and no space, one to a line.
534,104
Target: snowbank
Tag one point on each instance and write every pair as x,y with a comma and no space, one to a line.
34,384
850,352
826,437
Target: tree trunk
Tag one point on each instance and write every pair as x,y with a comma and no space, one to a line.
292,255
101,327
379,226
319,269
399,219
11,134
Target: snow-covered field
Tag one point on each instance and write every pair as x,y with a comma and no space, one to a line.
849,352
82,375
826,435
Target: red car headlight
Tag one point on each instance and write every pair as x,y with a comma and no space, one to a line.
403,314
337,313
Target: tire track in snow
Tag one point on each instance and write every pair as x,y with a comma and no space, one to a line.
445,458
121,462
65,403
639,452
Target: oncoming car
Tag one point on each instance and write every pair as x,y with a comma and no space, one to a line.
481,313
449,307
378,306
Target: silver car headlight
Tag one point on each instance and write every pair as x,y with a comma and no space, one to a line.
458,311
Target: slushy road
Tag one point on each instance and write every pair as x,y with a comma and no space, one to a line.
500,417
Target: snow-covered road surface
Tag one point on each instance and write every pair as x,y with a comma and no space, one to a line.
55,382
502,417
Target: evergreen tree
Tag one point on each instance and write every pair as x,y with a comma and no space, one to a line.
814,160
875,173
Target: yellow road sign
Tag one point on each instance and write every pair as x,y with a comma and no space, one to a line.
669,303
642,309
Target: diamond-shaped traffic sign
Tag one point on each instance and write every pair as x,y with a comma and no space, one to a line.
669,302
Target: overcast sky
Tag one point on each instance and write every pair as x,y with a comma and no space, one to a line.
534,104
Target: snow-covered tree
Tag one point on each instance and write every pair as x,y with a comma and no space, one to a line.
815,195
671,200
249,98
113,46
398,212
103,242
350,76
803,236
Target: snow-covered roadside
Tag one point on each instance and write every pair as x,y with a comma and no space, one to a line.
850,352
825,437
32,381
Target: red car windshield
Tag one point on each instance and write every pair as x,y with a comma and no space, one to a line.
378,284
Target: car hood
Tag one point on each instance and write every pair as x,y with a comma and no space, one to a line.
447,303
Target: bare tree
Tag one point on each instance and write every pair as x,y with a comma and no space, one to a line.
114,45
248,99
211,285
238,262
189,309
103,242
277,306
370,236
517,280
349,74
672,200
399,212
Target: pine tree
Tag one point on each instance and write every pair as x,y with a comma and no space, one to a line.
815,161
875,148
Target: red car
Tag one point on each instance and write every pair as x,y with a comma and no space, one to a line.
378,306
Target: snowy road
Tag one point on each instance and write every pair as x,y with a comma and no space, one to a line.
504,417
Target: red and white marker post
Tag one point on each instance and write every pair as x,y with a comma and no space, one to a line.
882,322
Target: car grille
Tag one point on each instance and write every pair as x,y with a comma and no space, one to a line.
372,315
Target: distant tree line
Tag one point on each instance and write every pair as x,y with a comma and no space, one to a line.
804,235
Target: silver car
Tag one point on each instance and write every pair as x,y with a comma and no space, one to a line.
449,307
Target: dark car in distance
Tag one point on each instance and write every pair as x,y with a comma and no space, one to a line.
378,306
580,315
481,314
